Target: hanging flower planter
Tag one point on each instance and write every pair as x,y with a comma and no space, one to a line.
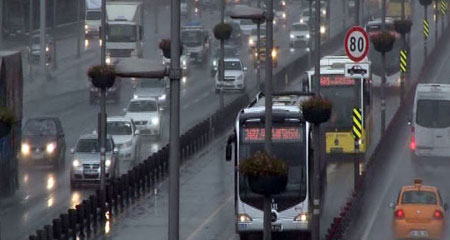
164,45
403,26
316,110
7,119
102,76
266,175
222,31
425,2
383,41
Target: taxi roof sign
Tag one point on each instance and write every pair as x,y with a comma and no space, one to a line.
418,182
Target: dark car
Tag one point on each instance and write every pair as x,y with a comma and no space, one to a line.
43,142
356,70
112,93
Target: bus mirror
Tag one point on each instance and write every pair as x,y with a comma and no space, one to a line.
228,152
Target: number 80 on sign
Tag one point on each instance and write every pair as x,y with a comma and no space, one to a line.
356,43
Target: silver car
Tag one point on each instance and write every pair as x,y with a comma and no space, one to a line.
152,88
86,161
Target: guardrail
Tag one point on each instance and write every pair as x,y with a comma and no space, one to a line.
85,220
350,212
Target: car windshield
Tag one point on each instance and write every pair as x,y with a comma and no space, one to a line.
299,27
261,32
142,106
433,113
151,83
40,127
91,146
191,38
93,15
121,33
228,52
233,65
419,197
119,128
247,22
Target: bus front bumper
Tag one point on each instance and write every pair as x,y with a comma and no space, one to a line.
281,225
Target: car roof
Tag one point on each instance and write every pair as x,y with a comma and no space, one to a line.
299,23
153,99
92,135
232,60
421,188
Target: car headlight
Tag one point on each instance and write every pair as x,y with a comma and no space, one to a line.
162,97
292,36
108,60
308,36
322,29
274,53
283,15
324,12
76,163
155,120
244,218
108,163
250,41
215,63
135,96
47,49
86,27
50,147
302,217
302,20
184,64
25,148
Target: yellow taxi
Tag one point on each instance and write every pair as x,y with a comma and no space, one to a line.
419,213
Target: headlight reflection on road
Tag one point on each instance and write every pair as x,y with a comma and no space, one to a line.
25,178
50,201
50,182
75,199
107,224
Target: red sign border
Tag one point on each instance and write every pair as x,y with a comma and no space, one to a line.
347,36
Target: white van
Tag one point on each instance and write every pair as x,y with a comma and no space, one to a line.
430,121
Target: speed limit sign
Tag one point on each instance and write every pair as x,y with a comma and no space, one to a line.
356,43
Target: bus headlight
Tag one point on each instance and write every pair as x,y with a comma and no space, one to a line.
50,148
25,149
155,120
76,163
244,218
302,217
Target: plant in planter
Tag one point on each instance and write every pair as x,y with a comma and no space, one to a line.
316,110
266,174
7,119
425,2
102,76
403,26
164,45
383,41
222,31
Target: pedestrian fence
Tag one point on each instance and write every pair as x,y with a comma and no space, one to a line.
89,217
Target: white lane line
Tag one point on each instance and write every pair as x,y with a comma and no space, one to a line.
209,219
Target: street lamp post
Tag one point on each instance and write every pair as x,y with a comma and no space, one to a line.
258,49
102,127
221,67
315,231
383,72
43,22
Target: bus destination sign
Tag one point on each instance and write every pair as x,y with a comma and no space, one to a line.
253,134
336,80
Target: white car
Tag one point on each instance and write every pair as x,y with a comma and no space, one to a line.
234,75
299,35
154,88
146,115
247,26
126,137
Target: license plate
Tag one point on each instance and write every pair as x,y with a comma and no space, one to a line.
418,233
277,228
38,156
90,172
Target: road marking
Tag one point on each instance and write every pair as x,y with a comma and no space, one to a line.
209,219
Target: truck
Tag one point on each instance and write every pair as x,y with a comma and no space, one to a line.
124,30
196,41
92,18
11,97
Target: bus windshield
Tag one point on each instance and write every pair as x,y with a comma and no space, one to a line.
289,146
340,91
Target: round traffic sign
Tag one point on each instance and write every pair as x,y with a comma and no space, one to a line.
356,43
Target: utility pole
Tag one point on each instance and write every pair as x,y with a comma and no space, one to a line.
222,57
436,20
42,53
310,25
357,12
315,231
30,36
80,28
1,23
102,130
174,141
258,49
268,112
402,74
356,103
53,47
383,72
425,37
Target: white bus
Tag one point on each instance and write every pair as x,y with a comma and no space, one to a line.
291,210
430,125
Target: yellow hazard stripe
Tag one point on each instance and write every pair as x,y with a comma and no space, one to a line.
357,113
356,133
357,123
